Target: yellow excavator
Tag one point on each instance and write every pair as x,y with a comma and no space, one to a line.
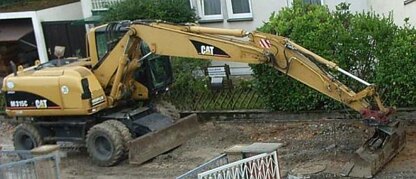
102,102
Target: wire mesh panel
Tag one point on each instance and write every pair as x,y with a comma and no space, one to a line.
263,166
22,165
214,163
215,100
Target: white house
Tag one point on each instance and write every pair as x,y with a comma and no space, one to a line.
250,14
33,19
400,9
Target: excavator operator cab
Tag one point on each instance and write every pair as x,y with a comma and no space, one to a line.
155,71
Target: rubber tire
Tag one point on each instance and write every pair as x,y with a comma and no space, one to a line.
30,131
112,135
124,132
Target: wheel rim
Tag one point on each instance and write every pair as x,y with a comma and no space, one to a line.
26,142
103,147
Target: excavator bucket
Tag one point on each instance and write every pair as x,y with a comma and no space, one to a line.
377,151
161,139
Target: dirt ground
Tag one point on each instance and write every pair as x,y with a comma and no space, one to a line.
325,142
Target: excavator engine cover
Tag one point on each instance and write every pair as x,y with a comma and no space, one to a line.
377,151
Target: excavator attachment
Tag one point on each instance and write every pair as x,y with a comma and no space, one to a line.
162,137
377,151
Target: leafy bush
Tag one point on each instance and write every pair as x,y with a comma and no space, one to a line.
176,11
366,44
185,79
396,71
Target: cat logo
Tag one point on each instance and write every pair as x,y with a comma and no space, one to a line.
41,103
207,50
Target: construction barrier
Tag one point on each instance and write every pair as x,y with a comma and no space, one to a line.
23,165
264,166
214,163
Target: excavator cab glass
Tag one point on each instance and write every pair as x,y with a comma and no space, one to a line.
106,40
101,42
157,71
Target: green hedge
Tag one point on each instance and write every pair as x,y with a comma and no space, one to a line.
177,11
366,44
396,71
184,75
9,2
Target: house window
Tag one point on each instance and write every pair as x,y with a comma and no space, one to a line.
210,9
318,2
239,9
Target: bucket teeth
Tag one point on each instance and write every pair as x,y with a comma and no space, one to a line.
377,151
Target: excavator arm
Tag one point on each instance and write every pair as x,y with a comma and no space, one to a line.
236,45
261,48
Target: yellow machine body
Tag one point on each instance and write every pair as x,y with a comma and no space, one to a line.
53,92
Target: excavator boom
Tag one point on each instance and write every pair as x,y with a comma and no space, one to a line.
259,48
237,45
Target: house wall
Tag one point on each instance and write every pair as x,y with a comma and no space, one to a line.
261,10
86,8
410,11
355,5
66,12
399,10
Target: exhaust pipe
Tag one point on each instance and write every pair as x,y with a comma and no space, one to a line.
13,66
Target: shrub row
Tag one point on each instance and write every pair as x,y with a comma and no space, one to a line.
369,45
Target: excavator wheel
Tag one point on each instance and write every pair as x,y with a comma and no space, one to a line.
26,137
124,132
105,145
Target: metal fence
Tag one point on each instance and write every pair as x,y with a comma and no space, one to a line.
22,165
230,99
214,163
262,166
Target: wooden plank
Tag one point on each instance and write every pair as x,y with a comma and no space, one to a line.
155,143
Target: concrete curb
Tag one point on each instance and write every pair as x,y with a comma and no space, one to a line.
261,115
